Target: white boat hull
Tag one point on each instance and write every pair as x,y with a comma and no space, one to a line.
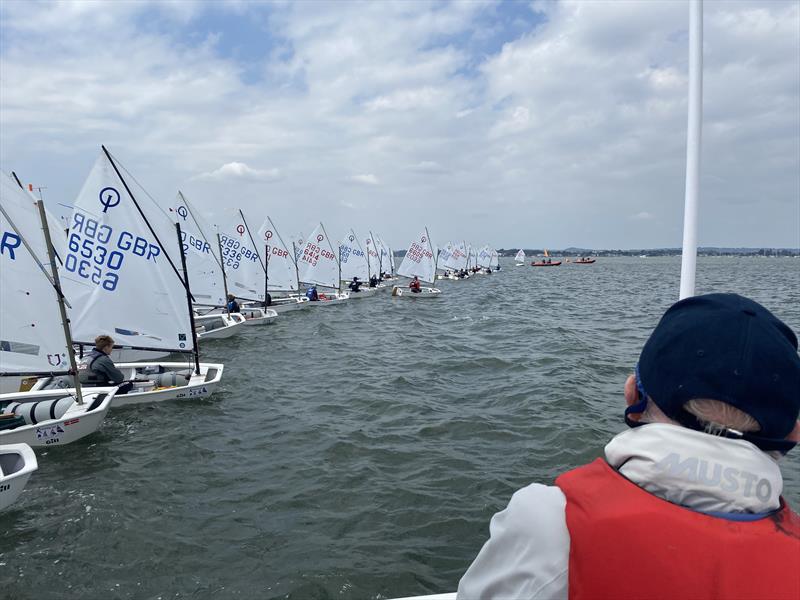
17,463
156,382
218,326
290,304
78,421
329,299
426,292
258,316
366,292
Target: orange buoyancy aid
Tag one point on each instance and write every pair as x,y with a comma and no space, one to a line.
628,543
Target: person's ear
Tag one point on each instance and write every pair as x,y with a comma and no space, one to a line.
794,435
631,392
632,396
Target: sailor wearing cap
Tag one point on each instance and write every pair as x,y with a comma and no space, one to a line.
687,503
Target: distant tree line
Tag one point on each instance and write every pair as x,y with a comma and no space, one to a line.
702,251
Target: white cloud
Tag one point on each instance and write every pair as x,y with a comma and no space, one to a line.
237,170
643,216
365,179
573,125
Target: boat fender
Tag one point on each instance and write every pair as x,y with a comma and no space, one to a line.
44,410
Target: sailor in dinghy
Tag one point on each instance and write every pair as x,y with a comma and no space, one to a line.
138,296
280,272
319,266
419,264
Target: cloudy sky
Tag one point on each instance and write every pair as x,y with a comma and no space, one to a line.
535,124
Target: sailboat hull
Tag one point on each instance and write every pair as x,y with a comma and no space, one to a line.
426,292
218,326
330,298
156,382
77,422
17,463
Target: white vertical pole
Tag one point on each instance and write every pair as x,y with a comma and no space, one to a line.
693,144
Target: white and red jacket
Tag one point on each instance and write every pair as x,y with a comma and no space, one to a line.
673,513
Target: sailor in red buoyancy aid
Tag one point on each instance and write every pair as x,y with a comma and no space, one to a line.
687,503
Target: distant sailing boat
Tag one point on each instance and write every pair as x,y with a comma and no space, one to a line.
280,270
519,259
354,263
420,262
245,269
209,288
36,336
318,265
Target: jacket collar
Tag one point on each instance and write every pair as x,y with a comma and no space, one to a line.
697,470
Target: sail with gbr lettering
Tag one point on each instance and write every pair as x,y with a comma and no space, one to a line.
117,275
281,266
318,263
420,259
201,248
353,258
240,256
31,338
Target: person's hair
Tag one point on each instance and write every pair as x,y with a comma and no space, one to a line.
714,414
231,297
101,341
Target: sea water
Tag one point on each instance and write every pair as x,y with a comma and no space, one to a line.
358,450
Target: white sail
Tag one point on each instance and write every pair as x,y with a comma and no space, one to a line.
392,265
484,257
373,256
117,274
458,256
281,266
520,257
353,258
244,269
494,258
319,263
299,242
457,259
445,256
420,259
31,333
383,255
202,254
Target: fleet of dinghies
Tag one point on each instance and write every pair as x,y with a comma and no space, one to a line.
157,278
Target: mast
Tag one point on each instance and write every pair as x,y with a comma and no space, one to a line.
296,269
266,274
222,266
189,300
693,147
61,308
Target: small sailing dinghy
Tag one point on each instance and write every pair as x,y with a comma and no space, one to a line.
318,265
36,335
519,259
354,264
280,271
17,463
244,269
130,288
420,262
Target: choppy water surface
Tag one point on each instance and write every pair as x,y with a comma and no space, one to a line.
357,451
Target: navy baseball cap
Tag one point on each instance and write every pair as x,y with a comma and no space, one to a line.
723,347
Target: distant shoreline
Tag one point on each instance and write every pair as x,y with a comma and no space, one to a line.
704,251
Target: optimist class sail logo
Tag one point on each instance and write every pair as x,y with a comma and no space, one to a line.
109,198
182,212
320,237
240,229
268,235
